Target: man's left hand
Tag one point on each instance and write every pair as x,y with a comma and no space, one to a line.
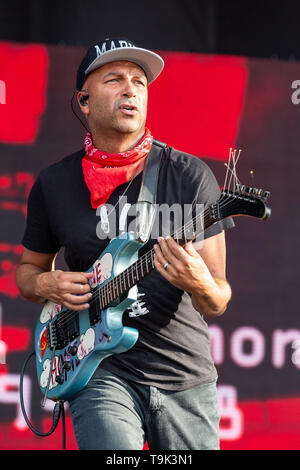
182,266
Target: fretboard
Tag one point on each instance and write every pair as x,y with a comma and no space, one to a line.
128,278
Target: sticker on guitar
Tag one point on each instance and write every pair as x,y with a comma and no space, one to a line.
138,307
43,341
102,270
49,312
87,343
46,371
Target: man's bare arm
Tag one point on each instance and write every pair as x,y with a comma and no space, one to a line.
214,300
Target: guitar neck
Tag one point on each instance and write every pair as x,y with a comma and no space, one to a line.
245,201
128,278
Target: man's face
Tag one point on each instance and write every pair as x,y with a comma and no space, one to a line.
118,97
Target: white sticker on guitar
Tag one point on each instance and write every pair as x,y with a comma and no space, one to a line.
87,343
138,308
46,371
102,270
49,311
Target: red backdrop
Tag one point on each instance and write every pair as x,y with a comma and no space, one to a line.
203,105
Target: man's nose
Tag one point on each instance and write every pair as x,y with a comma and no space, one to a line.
129,89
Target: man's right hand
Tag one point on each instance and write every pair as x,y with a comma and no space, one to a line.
70,289
38,281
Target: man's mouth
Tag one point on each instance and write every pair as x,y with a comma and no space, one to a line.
128,109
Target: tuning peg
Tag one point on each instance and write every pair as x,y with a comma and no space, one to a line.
255,191
260,192
266,194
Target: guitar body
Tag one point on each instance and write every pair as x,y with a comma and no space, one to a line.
77,360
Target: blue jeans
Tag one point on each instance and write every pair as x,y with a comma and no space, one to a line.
111,413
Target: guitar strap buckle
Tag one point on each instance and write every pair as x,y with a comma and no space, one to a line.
146,214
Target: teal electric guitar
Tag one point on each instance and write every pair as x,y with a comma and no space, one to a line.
70,345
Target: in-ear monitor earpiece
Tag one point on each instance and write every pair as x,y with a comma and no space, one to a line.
83,99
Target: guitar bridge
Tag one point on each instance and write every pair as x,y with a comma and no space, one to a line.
63,330
51,335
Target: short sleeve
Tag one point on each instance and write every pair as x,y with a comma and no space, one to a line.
38,235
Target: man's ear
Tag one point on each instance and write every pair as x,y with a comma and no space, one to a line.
82,98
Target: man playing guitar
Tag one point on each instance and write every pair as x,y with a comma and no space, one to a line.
163,389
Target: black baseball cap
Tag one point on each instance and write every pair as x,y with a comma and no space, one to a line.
111,50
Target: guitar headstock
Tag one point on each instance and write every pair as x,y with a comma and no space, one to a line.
240,200
244,201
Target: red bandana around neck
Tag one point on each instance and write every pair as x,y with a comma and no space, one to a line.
103,172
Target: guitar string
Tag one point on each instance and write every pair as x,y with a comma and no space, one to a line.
68,317
227,166
233,170
112,284
126,271
134,269
139,263
114,207
143,262
104,289
146,258
107,292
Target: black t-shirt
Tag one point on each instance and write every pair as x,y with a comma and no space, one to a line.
172,351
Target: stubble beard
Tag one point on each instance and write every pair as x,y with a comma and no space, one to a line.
117,124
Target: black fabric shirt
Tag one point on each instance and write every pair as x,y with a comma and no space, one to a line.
172,351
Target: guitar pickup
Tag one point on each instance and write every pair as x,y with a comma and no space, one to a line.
94,310
61,331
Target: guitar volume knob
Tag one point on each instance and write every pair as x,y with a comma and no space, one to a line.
72,350
59,379
67,365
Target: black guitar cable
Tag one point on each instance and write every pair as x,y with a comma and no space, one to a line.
58,411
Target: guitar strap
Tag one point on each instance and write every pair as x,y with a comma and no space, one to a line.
146,203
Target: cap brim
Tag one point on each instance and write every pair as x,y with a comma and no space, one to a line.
151,63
